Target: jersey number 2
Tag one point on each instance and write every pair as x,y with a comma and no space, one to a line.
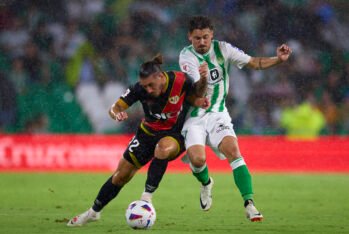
134,143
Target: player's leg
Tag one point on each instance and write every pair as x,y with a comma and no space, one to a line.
222,137
197,157
242,177
229,147
195,140
110,189
168,148
137,154
194,134
114,184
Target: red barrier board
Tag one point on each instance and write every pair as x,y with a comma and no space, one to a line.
61,152
102,153
326,154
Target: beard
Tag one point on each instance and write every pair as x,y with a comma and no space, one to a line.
202,50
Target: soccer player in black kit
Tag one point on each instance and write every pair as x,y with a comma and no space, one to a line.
164,97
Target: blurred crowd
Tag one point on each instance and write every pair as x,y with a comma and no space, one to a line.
63,63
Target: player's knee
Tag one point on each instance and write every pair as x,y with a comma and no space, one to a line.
164,151
197,155
232,154
197,161
230,151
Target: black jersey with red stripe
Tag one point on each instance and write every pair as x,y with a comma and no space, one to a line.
166,112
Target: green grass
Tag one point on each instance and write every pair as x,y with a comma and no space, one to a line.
41,203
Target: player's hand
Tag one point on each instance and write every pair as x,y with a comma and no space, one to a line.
283,52
203,70
121,116
203,102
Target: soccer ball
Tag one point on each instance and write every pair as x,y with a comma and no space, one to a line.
140,215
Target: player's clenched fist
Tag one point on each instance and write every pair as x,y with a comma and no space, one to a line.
283,52
121,116
203,102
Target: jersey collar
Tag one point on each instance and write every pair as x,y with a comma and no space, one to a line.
167,80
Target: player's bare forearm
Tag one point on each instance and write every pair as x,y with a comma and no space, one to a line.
200,87
260,63
283,52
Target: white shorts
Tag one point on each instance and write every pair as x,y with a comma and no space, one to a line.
209,129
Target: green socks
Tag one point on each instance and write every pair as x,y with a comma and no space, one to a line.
201,173
242,178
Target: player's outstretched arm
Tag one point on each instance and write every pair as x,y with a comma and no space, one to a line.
116,111
283,52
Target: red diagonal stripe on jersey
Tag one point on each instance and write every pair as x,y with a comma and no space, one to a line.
172,109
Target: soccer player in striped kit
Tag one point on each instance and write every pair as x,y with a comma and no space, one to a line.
213,125
165,97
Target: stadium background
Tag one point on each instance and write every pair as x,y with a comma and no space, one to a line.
63,63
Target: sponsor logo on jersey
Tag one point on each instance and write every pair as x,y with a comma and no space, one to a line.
174,99
166,116
214,76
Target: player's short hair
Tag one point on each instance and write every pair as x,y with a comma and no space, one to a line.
199,22
150,67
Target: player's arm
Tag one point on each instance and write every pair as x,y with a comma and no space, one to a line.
201,102
197,97
259,63
116,111
201,85
195,72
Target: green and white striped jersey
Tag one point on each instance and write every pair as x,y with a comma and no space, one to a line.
218,58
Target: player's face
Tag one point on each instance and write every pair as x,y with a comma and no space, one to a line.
154,84
201,39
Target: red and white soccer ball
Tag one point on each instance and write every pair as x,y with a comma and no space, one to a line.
140,215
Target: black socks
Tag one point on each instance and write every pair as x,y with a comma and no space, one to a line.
156,171
107,193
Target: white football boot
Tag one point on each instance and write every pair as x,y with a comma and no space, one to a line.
252,213
88,216
206,196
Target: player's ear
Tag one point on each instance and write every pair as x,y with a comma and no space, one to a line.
190,36
161,76
164,76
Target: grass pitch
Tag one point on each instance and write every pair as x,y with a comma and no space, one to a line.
290,203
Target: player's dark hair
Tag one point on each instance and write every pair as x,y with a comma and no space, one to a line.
150,67
199,22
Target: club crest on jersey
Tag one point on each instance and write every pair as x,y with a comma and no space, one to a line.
185,67
174,99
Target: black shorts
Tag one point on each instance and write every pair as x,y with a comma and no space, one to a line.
141,148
